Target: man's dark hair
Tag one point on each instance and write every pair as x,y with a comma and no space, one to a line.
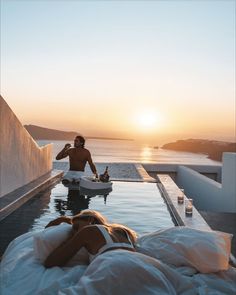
81,139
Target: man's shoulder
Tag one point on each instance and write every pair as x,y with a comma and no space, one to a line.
80,150
71,149
86,150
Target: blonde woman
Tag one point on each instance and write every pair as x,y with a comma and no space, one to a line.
91,231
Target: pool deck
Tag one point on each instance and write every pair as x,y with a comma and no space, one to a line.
119,172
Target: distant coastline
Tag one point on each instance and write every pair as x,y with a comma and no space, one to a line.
42,133
213,149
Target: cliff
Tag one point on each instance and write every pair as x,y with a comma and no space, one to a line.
49,134
42,133
214,149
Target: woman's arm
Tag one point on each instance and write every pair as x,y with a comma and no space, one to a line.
59,220
61,255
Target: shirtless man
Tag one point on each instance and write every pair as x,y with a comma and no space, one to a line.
78,157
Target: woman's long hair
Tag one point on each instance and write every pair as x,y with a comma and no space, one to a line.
98,217
112,228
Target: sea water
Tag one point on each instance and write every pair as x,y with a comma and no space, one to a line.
124,151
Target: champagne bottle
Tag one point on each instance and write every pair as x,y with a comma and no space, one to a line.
105,176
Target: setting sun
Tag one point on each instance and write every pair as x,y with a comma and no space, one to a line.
147,120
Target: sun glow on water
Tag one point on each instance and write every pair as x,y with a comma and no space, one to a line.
146,154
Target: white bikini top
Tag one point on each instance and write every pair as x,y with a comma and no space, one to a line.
110,244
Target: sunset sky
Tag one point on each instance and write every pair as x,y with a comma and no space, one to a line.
133,69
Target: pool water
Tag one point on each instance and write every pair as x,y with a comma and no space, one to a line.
138,205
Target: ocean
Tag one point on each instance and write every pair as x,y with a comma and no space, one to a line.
122,151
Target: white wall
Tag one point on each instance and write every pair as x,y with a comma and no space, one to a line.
208,194
229,176
173,168
21,159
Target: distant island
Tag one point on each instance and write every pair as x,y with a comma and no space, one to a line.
41,133
212,148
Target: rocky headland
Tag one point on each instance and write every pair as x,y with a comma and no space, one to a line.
212,148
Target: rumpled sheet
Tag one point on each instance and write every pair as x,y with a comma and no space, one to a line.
114,272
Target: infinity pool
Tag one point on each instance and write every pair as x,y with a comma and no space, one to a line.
136,204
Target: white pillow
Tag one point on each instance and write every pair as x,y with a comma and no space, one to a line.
50,238
206,251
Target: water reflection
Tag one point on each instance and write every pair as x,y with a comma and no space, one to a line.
27,214
75,202
78,200
93,193
146,154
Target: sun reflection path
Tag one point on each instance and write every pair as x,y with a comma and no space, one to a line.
146,154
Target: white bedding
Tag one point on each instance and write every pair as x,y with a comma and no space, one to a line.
118,272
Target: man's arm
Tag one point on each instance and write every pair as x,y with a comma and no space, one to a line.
64,152
92,166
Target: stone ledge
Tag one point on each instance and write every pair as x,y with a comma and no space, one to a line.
171,191
143,174
12,201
